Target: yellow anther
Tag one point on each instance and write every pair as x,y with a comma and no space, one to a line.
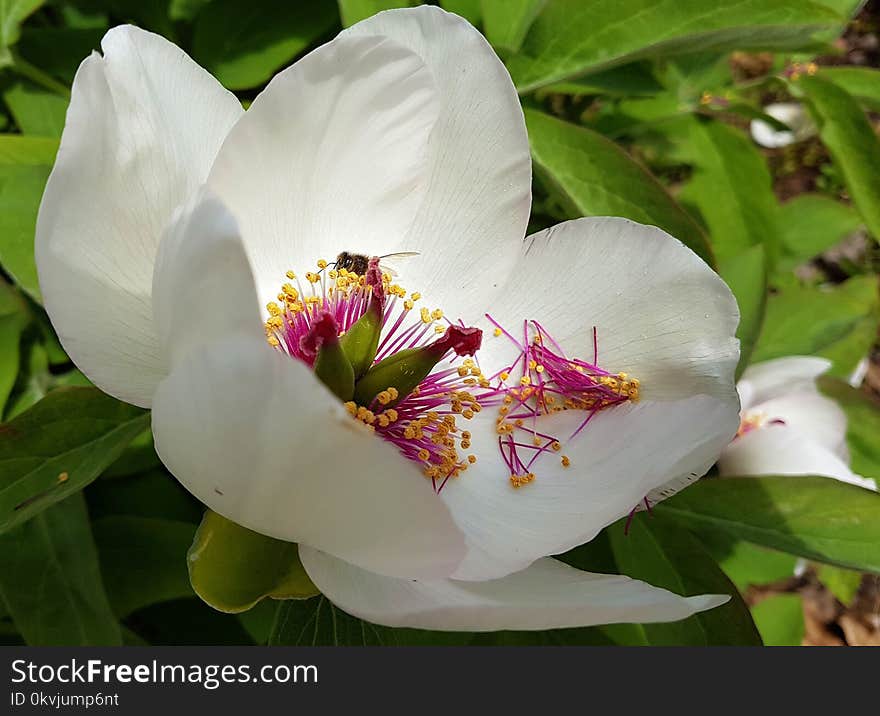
415,295
436,314
525,380
520,480
312,277
496,332
504,375
322,264
426,315
472,459
565,461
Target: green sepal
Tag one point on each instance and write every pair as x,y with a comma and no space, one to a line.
334,369
232,568
404,370
361,341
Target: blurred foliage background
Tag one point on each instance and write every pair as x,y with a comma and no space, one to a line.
634,108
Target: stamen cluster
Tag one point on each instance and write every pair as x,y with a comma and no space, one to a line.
542,380
423,424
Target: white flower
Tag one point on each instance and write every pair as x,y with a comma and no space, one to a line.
793,115
404,134
788,427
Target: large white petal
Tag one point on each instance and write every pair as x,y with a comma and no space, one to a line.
781,376
256,437
782,450
474,217
660,313
623,455
144,125
547,595
331,156
203,287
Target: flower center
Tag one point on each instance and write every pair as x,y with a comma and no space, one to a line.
542,380
753,420
414,376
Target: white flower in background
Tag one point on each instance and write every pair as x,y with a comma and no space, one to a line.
788,427
857,377
793,115
404,134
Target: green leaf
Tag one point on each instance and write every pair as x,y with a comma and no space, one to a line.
185,10
814,517
688,76
780,619
258,620
571,37
632,80
143,560
14,317
839,323
149,14
152,494
661,553
842,583
848,134
746,275
506,22
862,425
863,83
187,622
732,189
51,583
353,11
747,564
592,176
139,456
232,568
59,446
25,163
470,10
59,51
33,380
12,14
811,224
36,111
243,45
317,622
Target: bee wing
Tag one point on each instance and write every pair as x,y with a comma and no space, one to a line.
388,266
